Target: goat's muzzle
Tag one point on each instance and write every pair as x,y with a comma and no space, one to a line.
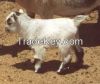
6,29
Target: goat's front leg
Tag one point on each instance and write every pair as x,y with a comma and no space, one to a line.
39,53
66,57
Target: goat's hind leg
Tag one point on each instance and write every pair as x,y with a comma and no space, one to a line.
79,51
66,58
78,48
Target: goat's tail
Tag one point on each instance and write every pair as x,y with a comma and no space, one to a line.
79,19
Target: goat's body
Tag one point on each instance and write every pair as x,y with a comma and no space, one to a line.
50,29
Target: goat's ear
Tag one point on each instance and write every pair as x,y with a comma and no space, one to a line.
21,11
17,13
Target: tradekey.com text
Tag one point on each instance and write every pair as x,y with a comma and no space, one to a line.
52,42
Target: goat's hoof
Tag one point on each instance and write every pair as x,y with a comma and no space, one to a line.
58,71
36,71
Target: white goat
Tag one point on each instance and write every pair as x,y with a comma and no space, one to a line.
60,28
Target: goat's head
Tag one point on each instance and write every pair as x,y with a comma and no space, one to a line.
11,21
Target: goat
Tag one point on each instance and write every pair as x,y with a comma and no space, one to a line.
59,29
48,8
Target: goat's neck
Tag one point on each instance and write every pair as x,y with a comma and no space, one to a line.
23,26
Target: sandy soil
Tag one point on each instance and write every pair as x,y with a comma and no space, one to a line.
16,67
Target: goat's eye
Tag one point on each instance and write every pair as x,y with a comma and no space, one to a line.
9,21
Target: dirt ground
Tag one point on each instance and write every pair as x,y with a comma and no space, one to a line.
16,67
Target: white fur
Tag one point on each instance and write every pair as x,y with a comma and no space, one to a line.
59,28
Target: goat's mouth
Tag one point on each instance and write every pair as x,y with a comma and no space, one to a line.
7,30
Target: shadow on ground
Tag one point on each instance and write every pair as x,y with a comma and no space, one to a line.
13,49
49,66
